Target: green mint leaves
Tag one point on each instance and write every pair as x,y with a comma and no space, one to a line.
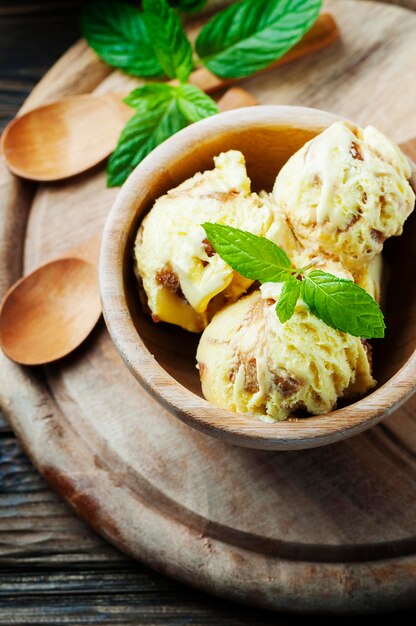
194,104
249,35
161,111
146,43
289,296
171,46
117,33
150,97
238,41
343,305
254,257
338,302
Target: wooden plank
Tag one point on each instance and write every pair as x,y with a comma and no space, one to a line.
35,526
4,425
55,570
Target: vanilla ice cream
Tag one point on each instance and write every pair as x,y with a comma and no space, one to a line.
185,281
251,363
333,205
345,192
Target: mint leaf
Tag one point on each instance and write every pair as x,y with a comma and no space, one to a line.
151,96
254,257
117,33
289,295
342,304
161,111
170,43
248,36
188,6
194,104
142,133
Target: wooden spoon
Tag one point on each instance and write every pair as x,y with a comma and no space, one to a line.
69,136
50,312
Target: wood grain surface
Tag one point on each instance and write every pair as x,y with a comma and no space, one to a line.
55,570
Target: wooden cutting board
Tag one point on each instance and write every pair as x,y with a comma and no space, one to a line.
330,529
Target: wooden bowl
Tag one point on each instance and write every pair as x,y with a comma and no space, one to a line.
162,357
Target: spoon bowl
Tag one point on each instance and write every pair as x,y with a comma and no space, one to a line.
162,357
63,138
48,313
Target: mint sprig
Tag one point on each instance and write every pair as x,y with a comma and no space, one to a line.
338,302
161,111
236,42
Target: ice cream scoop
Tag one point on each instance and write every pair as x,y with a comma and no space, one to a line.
251,363
184,280
345,192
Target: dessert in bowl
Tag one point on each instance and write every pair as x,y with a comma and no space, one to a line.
162,355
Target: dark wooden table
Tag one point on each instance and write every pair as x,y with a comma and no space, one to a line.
53,568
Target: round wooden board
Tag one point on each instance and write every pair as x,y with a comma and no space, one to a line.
330,529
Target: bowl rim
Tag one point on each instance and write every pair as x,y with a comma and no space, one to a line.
236,428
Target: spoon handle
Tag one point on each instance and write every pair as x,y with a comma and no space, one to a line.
236,98
88,250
